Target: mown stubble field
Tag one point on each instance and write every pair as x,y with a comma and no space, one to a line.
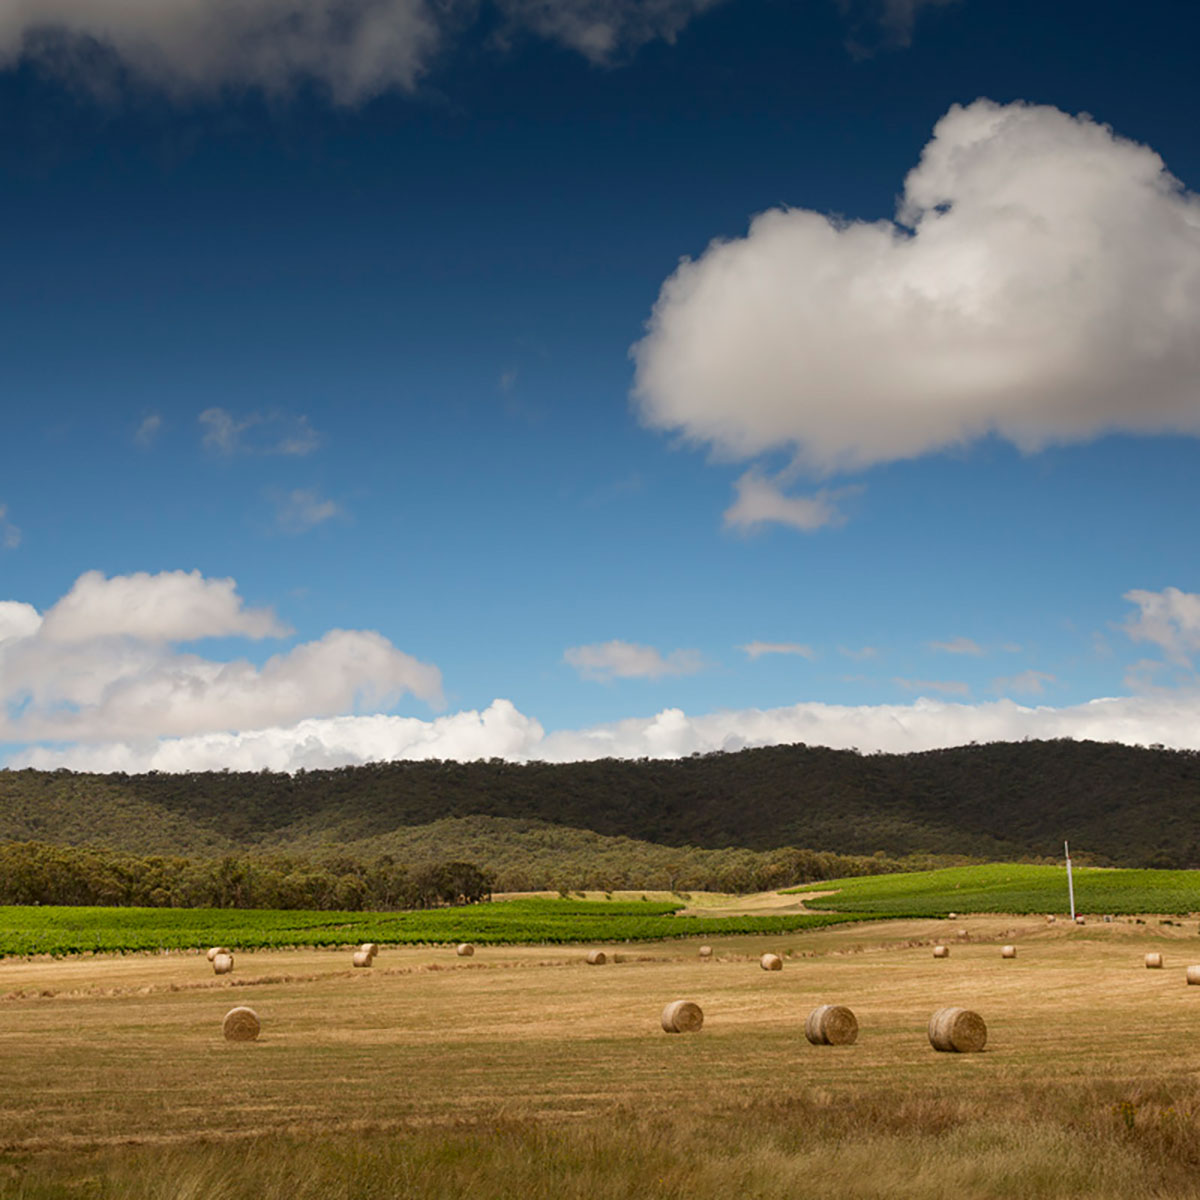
525,1072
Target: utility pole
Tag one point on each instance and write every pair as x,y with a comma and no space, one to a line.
1070,881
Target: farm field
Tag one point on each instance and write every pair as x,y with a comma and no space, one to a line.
1011,888
524,1072
26,930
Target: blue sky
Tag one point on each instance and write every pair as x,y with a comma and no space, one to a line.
356,403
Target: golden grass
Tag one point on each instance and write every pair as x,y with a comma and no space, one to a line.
431,1056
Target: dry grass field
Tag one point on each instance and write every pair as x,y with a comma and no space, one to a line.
524,1072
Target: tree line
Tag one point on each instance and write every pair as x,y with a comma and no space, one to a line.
38,873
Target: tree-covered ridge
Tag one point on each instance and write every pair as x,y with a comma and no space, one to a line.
1121,805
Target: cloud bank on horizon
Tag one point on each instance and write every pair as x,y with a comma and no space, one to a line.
100,677
1040,282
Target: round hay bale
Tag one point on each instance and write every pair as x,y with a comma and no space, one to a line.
362,958
241,1025
222,964
831,1025
371,948
1008,952
1193,974
941,952
215,950
952,916
1051,920
618,958
682,1016
1080,921
1154,961
1108,918
706,952
771,962
597,958
963,934
464,950
958,1030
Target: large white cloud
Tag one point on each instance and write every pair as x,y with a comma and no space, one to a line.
172,606
1041,281
502,731
103,664
354,48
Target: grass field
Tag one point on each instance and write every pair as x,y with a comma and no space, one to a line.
1012,888
523,1072
61,930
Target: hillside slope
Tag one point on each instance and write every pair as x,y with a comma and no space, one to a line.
1122,805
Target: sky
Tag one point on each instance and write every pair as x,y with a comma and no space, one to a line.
561,379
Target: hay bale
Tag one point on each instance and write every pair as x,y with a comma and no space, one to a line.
682,1016
963,934
464,950
1050,920
958,1030
215,950
771,962
952,916
362,958
618,958
371,948
1193,974
1079,920
222,964
1154,961
1108,918
1008,952
831,1025
597,958
241,1025
706,952
941,952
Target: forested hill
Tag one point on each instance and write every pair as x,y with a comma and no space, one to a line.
1122,805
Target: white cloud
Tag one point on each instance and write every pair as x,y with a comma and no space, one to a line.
355,49
760,500
861,654
949,687
758,649
172,606
602,30
958,645
10,535
1169,619
148,430
257,433
1028,683
302,509
102,666
605,661
18,620
1041,282
1172,719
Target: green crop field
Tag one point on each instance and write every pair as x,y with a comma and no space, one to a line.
58,931
1012,888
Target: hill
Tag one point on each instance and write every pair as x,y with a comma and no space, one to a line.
1119,805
